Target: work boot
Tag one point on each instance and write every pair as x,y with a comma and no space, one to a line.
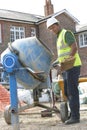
71,121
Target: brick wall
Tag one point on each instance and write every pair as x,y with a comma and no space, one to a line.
83,56
5,26
66,22
82,52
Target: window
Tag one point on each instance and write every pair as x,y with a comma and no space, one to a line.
0,35
33,32
83,39
16,33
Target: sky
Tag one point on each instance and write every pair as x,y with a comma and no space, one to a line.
78,8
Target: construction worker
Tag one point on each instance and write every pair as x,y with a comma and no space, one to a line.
67,46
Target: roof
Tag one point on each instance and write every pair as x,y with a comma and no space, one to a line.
67,13
30,18
60,12
81,28
18,16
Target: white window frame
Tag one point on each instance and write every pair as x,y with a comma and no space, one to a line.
16,33
33,31
0,35
83,39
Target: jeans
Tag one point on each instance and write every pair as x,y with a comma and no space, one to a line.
70,78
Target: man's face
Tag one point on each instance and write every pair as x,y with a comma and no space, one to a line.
54,28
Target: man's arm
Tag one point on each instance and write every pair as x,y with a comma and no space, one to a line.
71,41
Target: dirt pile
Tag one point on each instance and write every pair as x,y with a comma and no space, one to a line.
4,98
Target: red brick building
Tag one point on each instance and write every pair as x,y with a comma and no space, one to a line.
15,25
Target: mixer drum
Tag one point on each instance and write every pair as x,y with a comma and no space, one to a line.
32,54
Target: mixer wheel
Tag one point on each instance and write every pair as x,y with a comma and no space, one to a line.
64,111
7,114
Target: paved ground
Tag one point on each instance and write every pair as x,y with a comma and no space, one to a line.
32,120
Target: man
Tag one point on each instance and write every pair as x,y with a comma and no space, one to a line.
67,46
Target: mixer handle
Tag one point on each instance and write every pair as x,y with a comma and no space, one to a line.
37,75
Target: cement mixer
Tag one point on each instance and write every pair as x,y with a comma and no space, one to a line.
27,62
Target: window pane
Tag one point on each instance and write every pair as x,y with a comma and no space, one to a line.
33,31
81,40
16,28
16,33
11,36
85,39
0,34
21,34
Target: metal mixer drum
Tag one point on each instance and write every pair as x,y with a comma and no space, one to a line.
33,54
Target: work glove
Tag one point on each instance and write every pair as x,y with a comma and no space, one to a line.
55,63
57,66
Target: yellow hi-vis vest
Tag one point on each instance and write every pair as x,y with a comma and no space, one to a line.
64,50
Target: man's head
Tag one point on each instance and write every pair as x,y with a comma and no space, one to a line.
53,25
